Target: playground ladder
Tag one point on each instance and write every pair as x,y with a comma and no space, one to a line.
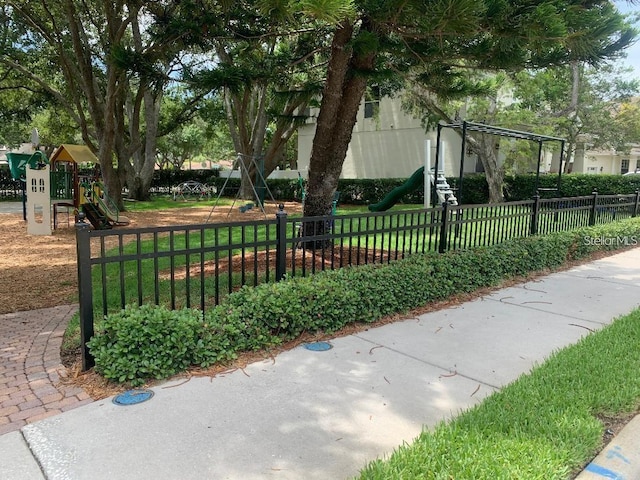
443,189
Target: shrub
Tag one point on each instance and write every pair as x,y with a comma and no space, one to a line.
168,178
146,342
153,342
368,191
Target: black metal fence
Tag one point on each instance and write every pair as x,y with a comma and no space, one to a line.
198,265
10,189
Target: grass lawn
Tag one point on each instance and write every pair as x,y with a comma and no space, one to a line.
542,426
117,283
165,202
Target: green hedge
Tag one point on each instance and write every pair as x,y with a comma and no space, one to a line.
365,192
522,187
10,189
573,185
474,187
153,342
165,179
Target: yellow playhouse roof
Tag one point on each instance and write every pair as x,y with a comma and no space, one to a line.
73,153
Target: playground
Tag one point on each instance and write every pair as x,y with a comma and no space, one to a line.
32,259
36,260
40,271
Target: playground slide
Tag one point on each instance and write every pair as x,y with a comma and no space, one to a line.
111,213
415,181
95,217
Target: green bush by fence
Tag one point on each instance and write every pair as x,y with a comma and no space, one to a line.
10,189
474,187
522,187
365,192
165,179
138,343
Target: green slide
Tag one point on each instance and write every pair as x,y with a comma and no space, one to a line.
108,208
415,181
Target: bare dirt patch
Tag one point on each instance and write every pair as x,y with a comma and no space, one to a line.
41,271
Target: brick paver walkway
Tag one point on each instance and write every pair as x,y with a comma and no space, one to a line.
30,367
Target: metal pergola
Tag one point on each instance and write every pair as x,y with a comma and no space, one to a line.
465,127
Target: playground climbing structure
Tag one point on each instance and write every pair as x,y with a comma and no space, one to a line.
101,211
54,185
444,191
414,182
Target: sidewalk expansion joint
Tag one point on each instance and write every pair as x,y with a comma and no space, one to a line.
601,279
439,367
563,315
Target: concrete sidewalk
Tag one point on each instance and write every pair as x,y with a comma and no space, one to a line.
324,415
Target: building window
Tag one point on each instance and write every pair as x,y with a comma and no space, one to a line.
372,102
624,165
638,165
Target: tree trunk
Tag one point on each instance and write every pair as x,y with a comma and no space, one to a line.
484,147
341,98
493,171
285,128
140,177
255,125
568,157
249,177
246,119
109,135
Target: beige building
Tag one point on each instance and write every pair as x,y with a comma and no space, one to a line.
606,161
387,143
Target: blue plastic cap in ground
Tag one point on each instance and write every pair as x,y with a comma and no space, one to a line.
318,346
132,397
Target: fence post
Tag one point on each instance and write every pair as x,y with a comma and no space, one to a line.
442,246
592,215
281,242
535,215
85,289
635,208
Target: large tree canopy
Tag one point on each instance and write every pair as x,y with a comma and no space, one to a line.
264,61
384,39
20,99
79,53
115,59
580,103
